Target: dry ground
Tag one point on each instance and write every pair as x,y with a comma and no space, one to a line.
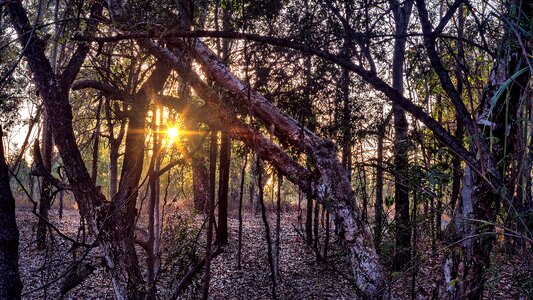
302,277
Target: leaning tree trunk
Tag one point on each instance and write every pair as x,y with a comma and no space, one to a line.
10,284
330,185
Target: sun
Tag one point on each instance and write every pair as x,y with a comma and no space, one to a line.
172,133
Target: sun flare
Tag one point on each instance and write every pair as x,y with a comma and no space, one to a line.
172,133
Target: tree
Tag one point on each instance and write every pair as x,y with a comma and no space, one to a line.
402,14
10,284
314,78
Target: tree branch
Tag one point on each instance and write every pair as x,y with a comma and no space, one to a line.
77,59
40,170
109,90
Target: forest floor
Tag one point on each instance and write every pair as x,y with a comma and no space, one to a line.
301,275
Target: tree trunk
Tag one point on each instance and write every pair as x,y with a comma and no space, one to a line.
309,220
277,248
402,256
200,180
96,136
362,182
253,182
224,168
114,147
152,260
46,187
459,130
378,204
61,204
480,202
211,210
346,123
267,230
241,193
316,239
10,284
112,222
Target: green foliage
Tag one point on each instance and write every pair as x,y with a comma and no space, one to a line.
503,87
180,243
389,200
268,9
387,251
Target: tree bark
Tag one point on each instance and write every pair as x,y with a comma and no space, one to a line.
346,121
241,193
402,255
254,188
459,130
378,204
267,230
224,168
10,284
96,136
46,187
200,180
153,259
213,149
277,248
309,219
316,236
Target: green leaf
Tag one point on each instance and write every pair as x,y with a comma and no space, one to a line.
503,87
